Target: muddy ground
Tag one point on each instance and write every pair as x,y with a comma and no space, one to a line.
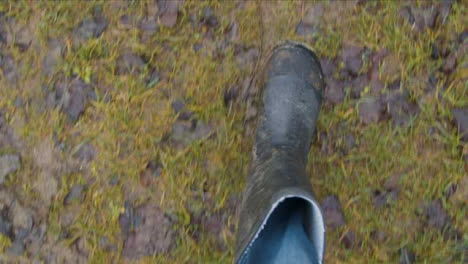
126,127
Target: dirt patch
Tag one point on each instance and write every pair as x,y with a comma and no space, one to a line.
151,232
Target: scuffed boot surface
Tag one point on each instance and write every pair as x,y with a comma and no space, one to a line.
291,100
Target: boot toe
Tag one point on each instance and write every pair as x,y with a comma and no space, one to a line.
296,59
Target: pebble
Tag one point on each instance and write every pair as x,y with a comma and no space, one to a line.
75,194
358,85
349,240
333,213
86,153
9,163
436,215
75,99
208,18
352,58
334,91
168,12
460,119
9,68
303,29
130,63
154,234
90,28
52,57
406,256
370,111
400,108
450,63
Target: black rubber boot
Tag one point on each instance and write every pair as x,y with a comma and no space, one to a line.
278,191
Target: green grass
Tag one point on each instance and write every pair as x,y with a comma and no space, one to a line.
129,130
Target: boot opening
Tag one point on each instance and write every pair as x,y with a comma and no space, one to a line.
293,232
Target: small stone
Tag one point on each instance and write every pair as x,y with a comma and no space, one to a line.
23,37
69,215
444,10
186,132
197,46
105,244
395,85
22,218
352,58
376,60
129,63
460,119
407,14
47,187
208,18
390,68
212,224
376,86
202,130
180,130
91,28
435,53
421,18
306,29
246,57
6,201
450,63
349,240
463,36
168,12
85,153
461,193
350,142
400,108
127,22
333,214
5,224
52,58
9,68
436,216
384,198
314,14
334,91
75,99
406,256
392,182
358,85
75,194
378,235
82,246
230,95
424,18
9,163
150,173
450,190
19,102
154,235
370,111
328,66
153,79
232,32
16,249
148,25
114,180
178,105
